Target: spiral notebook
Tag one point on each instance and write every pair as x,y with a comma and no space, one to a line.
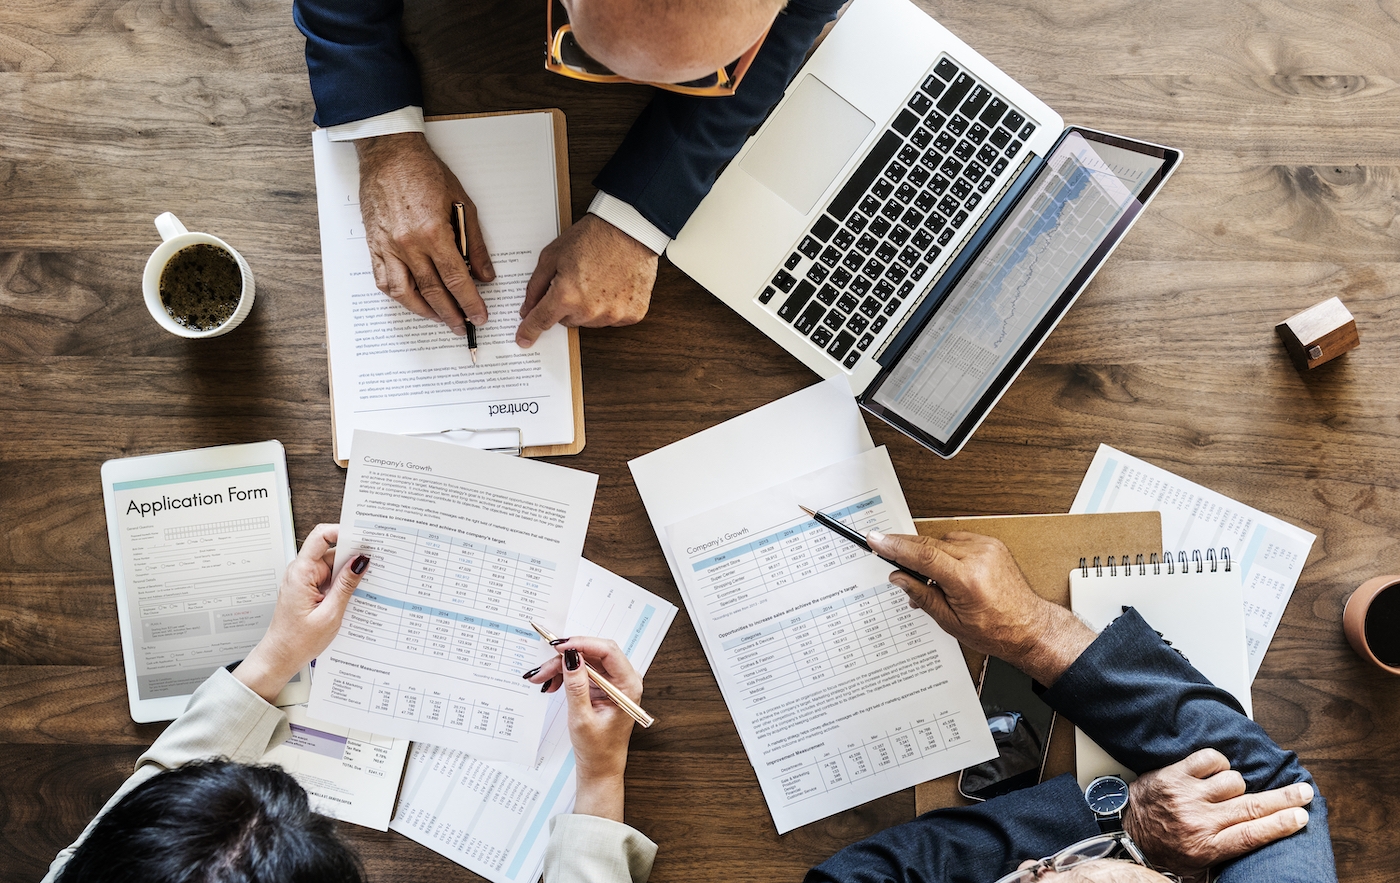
1194,599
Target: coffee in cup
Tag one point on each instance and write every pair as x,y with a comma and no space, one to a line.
196,285
1372,622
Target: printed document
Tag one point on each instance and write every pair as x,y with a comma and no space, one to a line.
1269,553
394,371
493,818
841,693
466,548
348,774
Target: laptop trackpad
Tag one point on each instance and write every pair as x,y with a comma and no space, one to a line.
812,137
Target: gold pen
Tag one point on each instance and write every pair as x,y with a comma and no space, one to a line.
621,699
459,230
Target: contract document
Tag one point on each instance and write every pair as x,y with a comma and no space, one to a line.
394,371
493,818
466,549
841,693
1269,552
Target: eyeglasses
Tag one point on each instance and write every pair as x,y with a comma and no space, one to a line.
565,56
1115,845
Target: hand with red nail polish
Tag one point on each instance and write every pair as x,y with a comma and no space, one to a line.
310,604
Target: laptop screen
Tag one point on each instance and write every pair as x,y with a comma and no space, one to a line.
966,344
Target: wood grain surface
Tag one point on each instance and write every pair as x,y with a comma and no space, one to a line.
1288,111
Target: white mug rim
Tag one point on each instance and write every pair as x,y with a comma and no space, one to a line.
155,265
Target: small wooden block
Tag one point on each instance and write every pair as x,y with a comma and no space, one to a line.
1319,334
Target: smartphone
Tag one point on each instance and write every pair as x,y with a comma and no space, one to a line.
1020,724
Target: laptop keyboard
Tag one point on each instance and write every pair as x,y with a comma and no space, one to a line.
915,190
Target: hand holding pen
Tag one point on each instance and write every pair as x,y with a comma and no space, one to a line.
459,234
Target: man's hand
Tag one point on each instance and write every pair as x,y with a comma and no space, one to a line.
984,601
406,196
1195,813
309,609
593,276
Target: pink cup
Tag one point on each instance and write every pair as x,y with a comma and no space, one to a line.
1361,607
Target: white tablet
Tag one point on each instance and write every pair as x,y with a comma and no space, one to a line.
199,543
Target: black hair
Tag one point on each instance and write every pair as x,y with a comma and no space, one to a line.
214,821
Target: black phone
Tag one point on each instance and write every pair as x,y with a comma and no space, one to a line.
1020,723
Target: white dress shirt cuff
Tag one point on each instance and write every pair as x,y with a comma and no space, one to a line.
630,221
405,119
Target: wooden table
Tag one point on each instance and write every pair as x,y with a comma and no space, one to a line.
112,112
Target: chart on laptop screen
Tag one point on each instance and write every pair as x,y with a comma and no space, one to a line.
1071,207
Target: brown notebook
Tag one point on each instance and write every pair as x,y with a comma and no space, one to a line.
1047,547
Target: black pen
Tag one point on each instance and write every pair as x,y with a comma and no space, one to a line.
459,230
828,522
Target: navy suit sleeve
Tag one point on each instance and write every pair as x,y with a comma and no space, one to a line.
676,148
356,58
1146,706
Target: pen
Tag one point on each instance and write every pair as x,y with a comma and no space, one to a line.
828,522
621,699
459,230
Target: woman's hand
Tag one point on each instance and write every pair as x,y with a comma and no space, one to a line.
598,729
309,609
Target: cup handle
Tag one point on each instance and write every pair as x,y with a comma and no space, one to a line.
170,226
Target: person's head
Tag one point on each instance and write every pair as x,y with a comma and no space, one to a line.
214,822
669,41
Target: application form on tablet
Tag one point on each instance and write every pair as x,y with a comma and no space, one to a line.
199,542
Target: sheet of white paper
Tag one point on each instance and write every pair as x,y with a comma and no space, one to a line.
1269,552
348,774
393,371
466,548
841,693
493,818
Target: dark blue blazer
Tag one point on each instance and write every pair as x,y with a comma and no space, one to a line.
360,68
1146,706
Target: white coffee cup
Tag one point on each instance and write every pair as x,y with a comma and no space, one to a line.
177,237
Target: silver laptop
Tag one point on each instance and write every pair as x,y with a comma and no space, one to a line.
911,218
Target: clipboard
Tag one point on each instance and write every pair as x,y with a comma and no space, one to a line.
564,201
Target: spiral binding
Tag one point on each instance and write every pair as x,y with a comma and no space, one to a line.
1196,561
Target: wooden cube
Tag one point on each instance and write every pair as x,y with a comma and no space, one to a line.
1319,334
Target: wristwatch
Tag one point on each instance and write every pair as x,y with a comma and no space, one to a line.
1107,796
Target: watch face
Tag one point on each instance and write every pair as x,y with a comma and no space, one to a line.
1107,794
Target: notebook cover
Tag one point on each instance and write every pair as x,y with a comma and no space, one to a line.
1047,547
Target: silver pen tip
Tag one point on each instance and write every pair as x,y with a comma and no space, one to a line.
808,511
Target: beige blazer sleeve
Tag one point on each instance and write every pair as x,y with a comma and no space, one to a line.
589,849
224,719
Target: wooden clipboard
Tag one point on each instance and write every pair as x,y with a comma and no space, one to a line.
566,219
1047,547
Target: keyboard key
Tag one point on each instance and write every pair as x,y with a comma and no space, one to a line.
855,223
851,358
882,188
987,155
893,209
870,307
839,277
810,247
957,90
918,272
841,344
860,179
977,134
767,294
921,138
817,273
961,188
957,125
925,200
1000,137
945,141
1013,121
879,226
834,319
947,235
883,289
865,342
935,120
827,295
907,155
891,306
971,202
959,218
986,184
793,260
999,166
922,240
993,111
1013,148
853,261
938,184
867,243
823,228
886,252
879,324
869,205
976,100
896,273
946,69
933,86
948,205
859,323
796,301
973,171
918,175
906,121
950,167
847,304
809,318
905,193
1026,131
860,285
964,150
831,256
920,104
935,222
905,289
910,256
821,336
933,253
895,172
873,268
898,235
784,280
